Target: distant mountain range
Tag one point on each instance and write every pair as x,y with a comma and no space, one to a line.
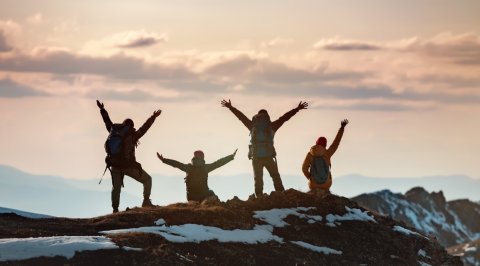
23,213
57,196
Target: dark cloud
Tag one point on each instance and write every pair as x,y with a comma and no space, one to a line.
4,47
346,45
117,66
351,47
141,41
11,89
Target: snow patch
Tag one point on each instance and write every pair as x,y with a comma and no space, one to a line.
275,216
65,246
160,222
324,250
405,231
199,233
423,253
423,263
351,215
470,249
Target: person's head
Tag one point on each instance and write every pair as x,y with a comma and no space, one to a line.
322,141
261,113
198,158
128,122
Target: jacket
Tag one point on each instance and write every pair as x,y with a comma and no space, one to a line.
316,151
197,175
131,140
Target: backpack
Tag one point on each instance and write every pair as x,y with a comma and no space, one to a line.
261,137
319,170
114,146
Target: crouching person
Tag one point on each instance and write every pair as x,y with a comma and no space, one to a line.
317,164
197,174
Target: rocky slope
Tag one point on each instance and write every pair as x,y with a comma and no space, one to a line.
284,228
454,223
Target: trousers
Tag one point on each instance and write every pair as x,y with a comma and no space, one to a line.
136,173
271,164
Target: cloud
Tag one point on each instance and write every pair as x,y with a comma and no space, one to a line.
35,18
116,66
11,89
337,44
277,42
135,39
461,49
4,47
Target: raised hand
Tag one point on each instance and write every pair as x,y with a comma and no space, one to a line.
227,104
99,104
302,105
160,156
157,113
235,153
344,122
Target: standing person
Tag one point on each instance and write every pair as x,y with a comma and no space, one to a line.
261,148
197,174
317,164
120,146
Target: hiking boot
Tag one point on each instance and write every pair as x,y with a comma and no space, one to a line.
147,203
115,210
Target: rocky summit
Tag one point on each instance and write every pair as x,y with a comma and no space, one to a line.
283,228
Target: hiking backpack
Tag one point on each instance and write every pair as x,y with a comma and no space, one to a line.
261,138
320,169
114,145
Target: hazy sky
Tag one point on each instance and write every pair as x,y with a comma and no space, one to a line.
405,73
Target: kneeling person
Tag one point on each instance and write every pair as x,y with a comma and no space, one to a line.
197,174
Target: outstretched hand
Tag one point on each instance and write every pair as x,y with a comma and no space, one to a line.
160,156
157,113
227,104
100,105
235,153
344,122
302,105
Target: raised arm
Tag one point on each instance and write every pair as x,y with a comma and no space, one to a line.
247,122
284,118
333,148
144,128
172,163
106,118
221,162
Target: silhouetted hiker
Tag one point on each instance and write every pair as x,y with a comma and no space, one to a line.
317,164
261,148
120,146
197,174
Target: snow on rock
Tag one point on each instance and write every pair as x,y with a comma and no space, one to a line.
66,246
406,231
423,253
131,249
324,250
24,214
423,263
467,248
199,233
160,222
275,216
351,215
